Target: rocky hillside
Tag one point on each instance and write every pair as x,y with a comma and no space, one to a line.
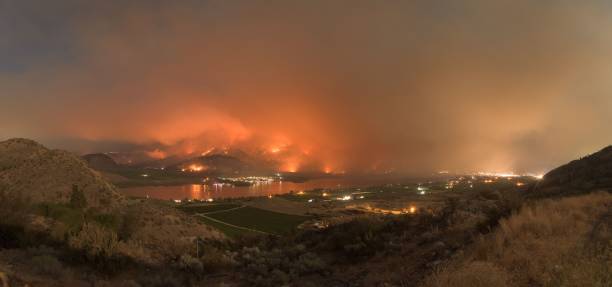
593,172
38,174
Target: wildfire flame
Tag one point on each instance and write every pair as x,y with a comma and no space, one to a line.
291,165
327,169
207,152
195,168
157,154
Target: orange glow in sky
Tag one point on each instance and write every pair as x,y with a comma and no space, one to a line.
307,105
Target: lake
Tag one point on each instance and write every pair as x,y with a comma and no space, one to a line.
202,192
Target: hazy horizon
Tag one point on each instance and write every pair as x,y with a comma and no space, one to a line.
413,86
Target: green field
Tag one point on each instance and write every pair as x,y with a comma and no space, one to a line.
230,231
259,219
193,209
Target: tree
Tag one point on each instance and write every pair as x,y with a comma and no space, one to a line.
77,198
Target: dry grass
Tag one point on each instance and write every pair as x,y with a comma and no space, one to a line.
565,242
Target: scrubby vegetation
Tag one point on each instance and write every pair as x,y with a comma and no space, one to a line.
566,242
62,238
279,267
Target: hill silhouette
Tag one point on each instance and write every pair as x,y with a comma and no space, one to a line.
38,174
100,161
593,172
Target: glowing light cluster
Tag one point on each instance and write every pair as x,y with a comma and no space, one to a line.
412,210
409,210
248,179
509,174
498,174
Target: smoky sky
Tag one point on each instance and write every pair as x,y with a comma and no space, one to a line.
354,85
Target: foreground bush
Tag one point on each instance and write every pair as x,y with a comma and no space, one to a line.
97,241
278,267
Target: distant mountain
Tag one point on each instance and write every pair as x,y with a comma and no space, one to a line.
100,161
220,161
593,172
160,163
37,174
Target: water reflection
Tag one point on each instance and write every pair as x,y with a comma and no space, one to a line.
203,192
197,190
